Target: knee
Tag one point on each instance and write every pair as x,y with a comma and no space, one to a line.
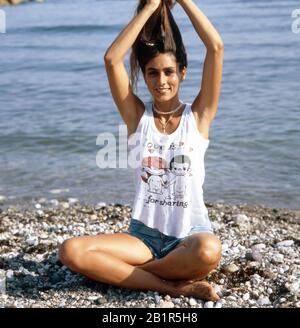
69,252
209,251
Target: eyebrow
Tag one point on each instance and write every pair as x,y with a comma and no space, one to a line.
155,69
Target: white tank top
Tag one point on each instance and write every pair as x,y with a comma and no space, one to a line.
169,175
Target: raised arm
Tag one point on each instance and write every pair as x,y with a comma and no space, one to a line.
129,105
206,103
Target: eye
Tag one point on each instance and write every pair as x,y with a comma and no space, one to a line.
169,72
152,73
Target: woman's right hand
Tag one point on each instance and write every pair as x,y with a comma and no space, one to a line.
153,4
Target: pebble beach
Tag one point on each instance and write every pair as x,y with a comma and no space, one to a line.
260,266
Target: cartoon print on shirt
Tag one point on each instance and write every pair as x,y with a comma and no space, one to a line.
154,174
180,169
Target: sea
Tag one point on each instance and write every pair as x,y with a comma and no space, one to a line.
56,106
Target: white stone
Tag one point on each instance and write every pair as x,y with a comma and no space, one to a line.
167,304
93,298
9,274
258,247
177,301
285,243
294,288
216,226
60,239
218,305
240,219
231,268
65,205
278,258
40,213
38,206
157,299
32,241
54,202
231,298
225,247
209,305
246,297
192,302
263,301
101,204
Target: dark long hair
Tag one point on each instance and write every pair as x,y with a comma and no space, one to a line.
159,35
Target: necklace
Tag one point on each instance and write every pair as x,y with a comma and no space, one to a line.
167,113
164,125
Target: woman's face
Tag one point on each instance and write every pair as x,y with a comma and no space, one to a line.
162,77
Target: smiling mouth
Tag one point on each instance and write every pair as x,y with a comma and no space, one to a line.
162,90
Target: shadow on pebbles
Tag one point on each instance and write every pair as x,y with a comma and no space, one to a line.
260,264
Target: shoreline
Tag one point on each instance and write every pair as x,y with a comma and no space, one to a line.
260,264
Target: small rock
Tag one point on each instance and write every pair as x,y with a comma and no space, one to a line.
100,205
101,300
240,219
246,297
231,268
263,301
294,287
258,247
254,264
216,226
2,198
65,205
157,299
192,302
254,256
218,305
285,243
231,298
209,305
38,206
32,241
277,258
167,304
54,202
40,213
60,239
93,298
62,304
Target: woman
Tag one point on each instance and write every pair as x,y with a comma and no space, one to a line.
170,246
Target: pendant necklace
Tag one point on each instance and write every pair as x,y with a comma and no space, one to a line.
164,125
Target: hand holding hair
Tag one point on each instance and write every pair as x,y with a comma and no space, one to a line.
156,3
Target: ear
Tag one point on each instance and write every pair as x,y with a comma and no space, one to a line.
183,74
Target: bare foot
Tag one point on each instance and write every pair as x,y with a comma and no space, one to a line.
198,289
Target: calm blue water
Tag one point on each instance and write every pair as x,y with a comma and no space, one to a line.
55,100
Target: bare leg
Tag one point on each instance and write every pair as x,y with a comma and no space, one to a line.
193,259
106,268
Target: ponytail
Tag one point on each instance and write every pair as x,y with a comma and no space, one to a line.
160,34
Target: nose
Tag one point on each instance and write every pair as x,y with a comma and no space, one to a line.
162,79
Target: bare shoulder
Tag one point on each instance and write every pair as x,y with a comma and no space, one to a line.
202,123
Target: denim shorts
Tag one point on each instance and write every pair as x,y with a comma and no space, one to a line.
159,243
